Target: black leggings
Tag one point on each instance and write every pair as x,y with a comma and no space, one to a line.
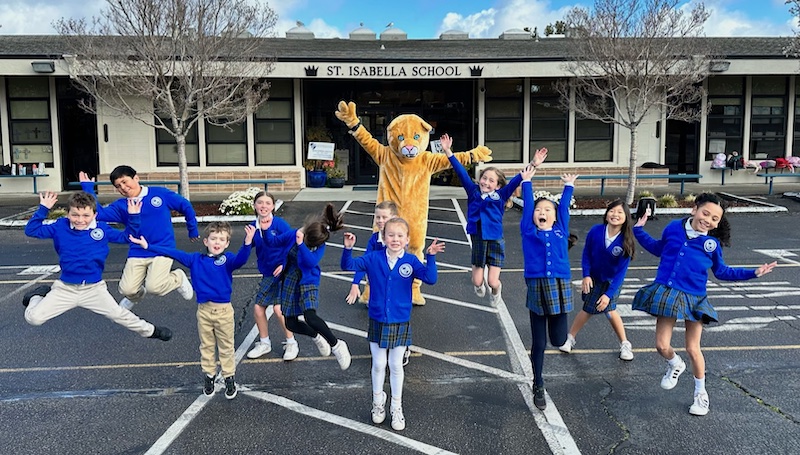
558,336
314,325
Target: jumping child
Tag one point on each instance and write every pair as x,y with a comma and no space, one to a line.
392,273
607,253
688,248
270,264
384,211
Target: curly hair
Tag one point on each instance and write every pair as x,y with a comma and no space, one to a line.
318,229
723,230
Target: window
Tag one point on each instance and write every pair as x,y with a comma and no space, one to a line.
29,120
549,124
167,148
768,117
274,125
725,117
593,138
504,119
226,146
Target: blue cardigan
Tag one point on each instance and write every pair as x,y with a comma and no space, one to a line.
269,258
545,253
685,262
307,260
604,264
372,245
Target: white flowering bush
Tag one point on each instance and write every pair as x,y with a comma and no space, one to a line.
553,197
239,202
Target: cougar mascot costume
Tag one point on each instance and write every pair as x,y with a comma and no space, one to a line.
405,171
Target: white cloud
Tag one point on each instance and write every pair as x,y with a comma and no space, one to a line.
17,18
505,15
725,22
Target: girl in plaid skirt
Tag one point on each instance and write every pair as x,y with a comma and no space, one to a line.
391,274
545,242
608,250
688,248
486,205
300,289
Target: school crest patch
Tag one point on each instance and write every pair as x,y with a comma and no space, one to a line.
156,202
709,245
616,251
405,270
97,234
221,260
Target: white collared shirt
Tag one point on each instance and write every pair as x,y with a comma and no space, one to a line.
690,232
610,240
392,261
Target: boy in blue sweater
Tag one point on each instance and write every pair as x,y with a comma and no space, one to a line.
212,277
384,211
392,273
145,271
82,246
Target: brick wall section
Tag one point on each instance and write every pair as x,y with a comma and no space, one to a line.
545,170
292,180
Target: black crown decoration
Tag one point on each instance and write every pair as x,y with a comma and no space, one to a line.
475,71
311,70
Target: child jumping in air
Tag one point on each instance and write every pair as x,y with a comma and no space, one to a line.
384,211
485,210
270,264
688,248
212,278
545,243
300,291
82,246
607,253
146,272
391,273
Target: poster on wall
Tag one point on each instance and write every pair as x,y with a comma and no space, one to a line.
320,151
716,146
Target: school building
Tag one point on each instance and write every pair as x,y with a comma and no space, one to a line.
496,92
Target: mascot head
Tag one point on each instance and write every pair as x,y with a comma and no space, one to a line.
408,135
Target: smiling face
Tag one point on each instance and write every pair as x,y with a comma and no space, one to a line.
264,205
615,216
489,181
81,217
382,216
544,214
395,236
128,186
706,217
217,242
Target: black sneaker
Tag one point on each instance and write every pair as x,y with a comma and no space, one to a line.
162,333
538,397
230,388
208,386
39,290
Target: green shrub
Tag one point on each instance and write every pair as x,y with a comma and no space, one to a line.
239,202
645,193
690,198
56,213
667,201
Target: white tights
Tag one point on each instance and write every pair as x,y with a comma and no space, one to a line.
396,374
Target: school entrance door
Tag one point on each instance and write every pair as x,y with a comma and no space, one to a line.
78,134
682,148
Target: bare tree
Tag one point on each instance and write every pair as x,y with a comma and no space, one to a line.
195,59
632,58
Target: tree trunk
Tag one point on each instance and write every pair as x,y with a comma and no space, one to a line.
183,171
632,169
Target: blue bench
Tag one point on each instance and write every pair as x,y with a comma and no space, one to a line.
27,176
603,177
265,182
771,177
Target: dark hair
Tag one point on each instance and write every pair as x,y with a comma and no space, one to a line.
82,199
122,171
723,230
318,230
219,227
572,240
543,199
628,245
263,193
501,177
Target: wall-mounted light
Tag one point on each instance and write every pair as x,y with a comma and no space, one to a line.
719,66
45,67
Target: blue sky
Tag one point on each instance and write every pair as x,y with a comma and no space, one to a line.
419,18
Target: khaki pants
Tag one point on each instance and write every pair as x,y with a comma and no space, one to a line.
152,274
94,297
215,326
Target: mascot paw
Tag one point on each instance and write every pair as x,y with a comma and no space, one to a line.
482,153
346,112
416,297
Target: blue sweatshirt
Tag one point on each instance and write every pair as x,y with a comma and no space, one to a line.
685,262
604,264
212,276
374,244
487,209
545,253
269,258
156,217
307,260
81,253
390,289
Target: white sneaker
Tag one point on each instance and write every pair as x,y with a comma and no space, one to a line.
259,349
398,421
379,409
406,356
670,379
185,289
342,354
700,405
322,345
497,298
626,350
567,347
126,303
480,291
290,349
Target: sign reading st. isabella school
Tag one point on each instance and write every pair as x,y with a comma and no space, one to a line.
395,71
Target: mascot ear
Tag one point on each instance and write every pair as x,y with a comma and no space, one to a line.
426,125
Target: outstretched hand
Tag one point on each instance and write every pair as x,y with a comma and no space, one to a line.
48,199
249,233
527,173
436,247
84,177
447,144
539,156
766,268
349,240
642,220
141,241
569,178
134,206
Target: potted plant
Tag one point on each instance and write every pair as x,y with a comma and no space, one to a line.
335,177
316,169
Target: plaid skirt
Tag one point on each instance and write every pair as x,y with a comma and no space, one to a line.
389,335
304,297
590,299
549,296
269,291
488,252
659,300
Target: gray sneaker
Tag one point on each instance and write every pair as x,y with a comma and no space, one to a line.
260,348
342,354
626,351
379,409
322,345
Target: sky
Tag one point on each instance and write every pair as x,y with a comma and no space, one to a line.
420,19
